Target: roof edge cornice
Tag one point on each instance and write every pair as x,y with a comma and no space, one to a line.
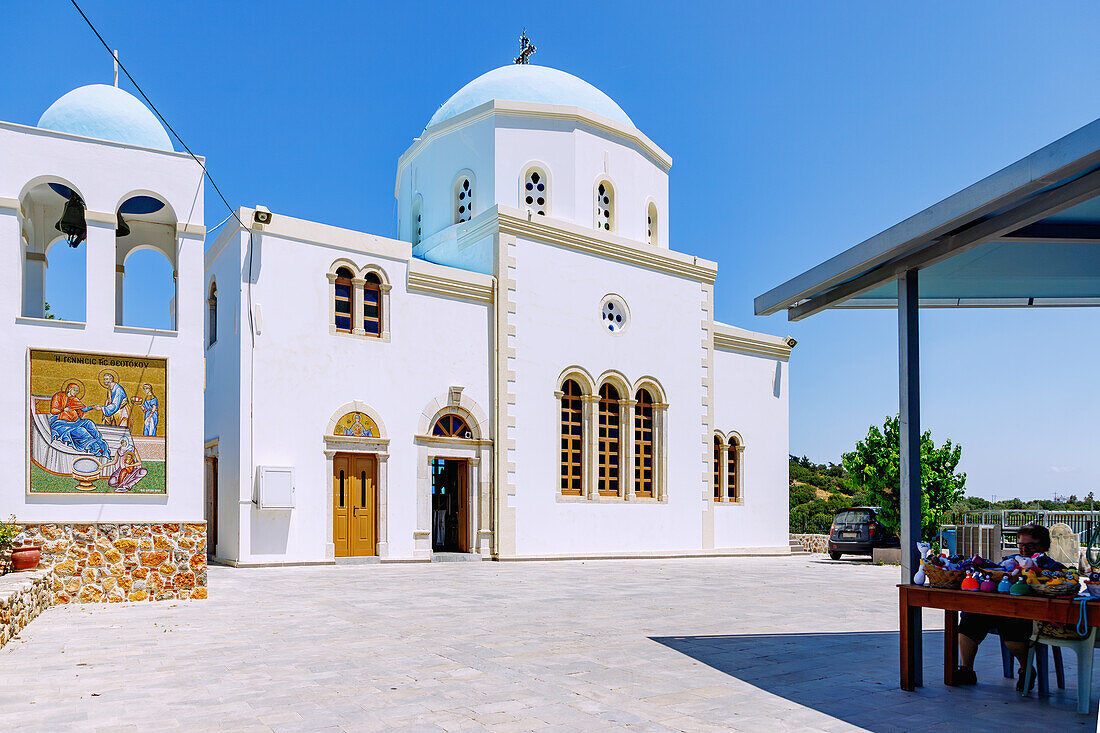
535,110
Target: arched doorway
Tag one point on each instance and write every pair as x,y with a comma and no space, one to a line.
356,452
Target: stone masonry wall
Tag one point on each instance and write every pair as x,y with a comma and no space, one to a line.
22,597
113,562
818,543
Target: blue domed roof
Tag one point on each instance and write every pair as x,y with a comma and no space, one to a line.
530,83
105,112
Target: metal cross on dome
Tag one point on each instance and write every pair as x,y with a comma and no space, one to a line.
526,48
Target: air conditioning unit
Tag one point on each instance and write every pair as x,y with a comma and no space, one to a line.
275,487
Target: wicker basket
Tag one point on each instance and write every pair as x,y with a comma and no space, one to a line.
1054,590
940,578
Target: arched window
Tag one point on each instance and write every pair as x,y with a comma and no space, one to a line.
733,470
343,300
536,193
609,441
372,305
417,224
651,224
605,206
212,314
451,426
717,468
572,439
644,442
464,199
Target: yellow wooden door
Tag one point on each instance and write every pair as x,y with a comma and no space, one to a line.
361,533
341,503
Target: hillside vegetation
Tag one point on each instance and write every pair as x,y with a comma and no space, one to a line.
818,492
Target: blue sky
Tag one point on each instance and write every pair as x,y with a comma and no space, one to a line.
797,129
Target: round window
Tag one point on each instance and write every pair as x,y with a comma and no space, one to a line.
614,314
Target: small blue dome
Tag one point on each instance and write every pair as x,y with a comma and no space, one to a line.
530,83
105,112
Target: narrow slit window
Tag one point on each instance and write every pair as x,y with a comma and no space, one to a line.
605,206
535,192
343,300
609,441
572,439
341,489
212,315
651,224
717,468
464,200
643,444
372,305
732,468
363,489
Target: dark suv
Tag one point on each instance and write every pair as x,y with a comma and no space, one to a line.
856,531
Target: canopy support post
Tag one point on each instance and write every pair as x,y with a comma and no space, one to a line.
909,428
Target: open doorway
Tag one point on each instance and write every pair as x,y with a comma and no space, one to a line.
450,505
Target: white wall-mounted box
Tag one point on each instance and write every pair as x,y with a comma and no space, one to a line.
275,487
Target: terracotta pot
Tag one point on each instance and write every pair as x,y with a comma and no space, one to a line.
25,558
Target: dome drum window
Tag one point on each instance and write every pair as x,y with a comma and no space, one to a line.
536,192
464,199
651,224
605,206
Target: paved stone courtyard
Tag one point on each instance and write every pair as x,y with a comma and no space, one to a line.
799,643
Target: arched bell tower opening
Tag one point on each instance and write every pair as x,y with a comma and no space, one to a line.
52,212
145,263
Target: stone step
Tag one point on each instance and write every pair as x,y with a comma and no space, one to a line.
456,557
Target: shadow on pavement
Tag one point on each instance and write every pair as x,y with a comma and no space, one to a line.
853,677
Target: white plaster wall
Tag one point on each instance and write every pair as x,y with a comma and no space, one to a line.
558,324
432,173
224,263
104,174
751,398
501,148
303,375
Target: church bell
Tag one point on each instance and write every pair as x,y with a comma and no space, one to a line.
72,223
123,228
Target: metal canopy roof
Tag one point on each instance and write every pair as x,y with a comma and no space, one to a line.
1028,235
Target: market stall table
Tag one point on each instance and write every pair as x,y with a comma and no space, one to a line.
1036,608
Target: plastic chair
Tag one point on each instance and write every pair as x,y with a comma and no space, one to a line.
1082,648
1007,663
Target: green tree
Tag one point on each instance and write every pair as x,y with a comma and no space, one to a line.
46,311
874,471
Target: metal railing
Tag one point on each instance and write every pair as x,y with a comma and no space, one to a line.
1011,520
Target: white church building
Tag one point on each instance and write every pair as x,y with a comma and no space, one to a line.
528,370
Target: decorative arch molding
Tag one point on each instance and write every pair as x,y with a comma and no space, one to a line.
463,406
356,406
124,253
654,387
618,380
478,454
734,438
579,375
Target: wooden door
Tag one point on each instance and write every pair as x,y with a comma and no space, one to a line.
462,469
361,534
354,502
211,504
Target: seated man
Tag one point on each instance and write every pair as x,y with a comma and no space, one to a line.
1014,632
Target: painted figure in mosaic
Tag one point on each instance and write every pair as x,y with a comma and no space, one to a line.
129,470
151,408
358,429
69,424
116,410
